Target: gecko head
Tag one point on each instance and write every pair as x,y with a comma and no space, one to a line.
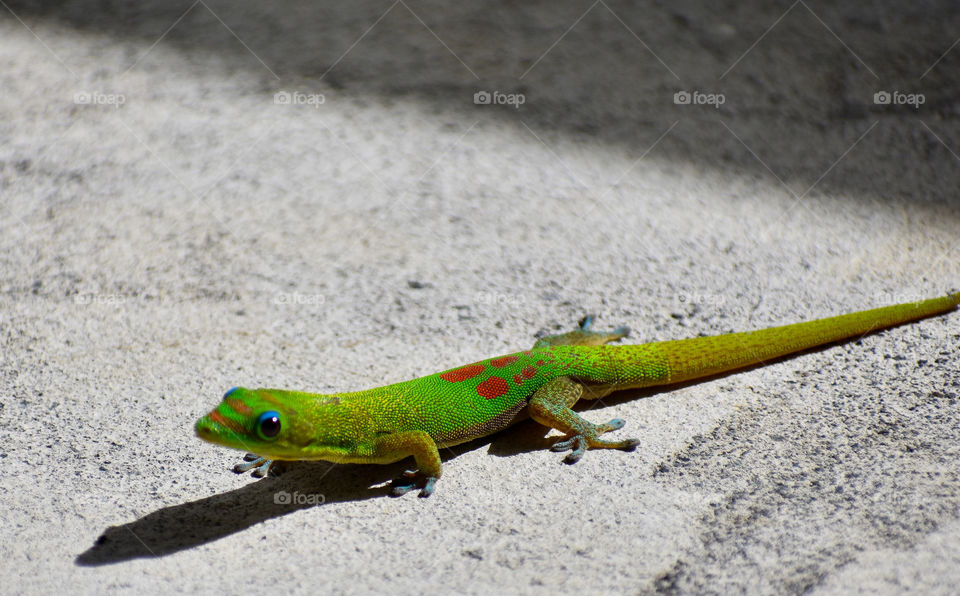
254,420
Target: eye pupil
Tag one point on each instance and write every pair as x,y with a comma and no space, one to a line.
268,425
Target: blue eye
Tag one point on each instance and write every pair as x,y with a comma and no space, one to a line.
229,392
268,425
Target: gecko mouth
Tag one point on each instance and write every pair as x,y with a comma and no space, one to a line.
215,429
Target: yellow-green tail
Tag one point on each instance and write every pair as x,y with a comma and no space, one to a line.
688,359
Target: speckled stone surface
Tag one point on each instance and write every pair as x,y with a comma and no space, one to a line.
306,195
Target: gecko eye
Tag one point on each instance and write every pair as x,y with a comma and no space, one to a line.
268,425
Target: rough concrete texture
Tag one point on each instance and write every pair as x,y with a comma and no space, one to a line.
169,230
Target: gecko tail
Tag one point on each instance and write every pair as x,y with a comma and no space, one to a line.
689,359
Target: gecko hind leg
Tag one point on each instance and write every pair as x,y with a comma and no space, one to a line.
262,465
583,336
550,406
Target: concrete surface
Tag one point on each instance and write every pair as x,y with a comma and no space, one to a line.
169,230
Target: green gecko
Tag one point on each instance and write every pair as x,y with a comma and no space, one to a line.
415,418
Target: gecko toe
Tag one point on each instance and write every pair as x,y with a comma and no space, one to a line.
615,424
264,469
575,455
398,490
428,487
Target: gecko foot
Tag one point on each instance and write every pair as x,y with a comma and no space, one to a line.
412,480
620,332
578,444
253,460
583,336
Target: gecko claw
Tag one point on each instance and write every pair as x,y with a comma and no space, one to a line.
411,480
262,465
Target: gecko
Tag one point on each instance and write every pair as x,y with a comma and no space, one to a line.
419,417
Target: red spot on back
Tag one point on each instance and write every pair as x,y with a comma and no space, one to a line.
518,379
505,361
492,387
529,372
539,362
463,373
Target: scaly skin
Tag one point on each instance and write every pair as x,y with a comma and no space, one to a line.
415,418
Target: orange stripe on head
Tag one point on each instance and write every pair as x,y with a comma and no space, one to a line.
226,423
239,407
267,396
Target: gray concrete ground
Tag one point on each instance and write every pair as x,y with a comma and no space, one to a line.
181,214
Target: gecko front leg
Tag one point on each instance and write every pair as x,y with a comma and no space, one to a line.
421,446
262,465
